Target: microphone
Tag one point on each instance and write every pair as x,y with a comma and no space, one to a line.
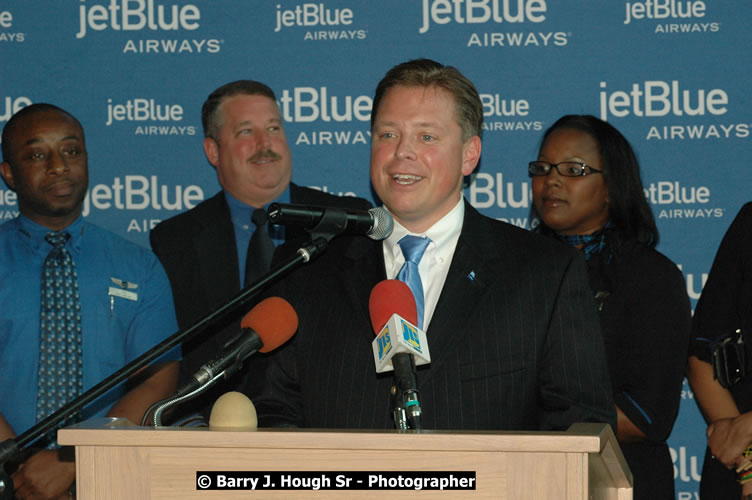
267,326
375,223
399,345
393,318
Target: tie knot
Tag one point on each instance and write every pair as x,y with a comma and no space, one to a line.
413,247
259,217
57,239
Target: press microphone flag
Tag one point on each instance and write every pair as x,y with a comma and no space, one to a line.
393,316
399,336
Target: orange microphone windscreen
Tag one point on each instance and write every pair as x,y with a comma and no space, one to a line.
274,320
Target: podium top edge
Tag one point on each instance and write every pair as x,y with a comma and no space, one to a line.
580,438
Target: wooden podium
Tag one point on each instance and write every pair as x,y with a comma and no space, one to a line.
118,460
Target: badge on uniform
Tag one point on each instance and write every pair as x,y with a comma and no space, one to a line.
122,289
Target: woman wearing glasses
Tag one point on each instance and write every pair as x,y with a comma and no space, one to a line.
588,193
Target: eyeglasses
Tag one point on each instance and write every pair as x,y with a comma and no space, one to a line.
568,168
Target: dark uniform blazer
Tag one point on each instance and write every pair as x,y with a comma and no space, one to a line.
515,339
197,249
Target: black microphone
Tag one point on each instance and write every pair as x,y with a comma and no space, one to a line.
235,351
375,223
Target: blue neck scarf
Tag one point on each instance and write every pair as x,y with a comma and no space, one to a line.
591,244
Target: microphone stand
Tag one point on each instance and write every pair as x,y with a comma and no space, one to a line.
328,228
332,223
240,348
406,405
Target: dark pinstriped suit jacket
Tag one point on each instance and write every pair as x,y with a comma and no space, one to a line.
517,346
197,249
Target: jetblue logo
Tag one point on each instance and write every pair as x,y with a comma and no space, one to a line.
6,19
137,192
667,192
507,115
481,11
308,104
312,14
654,98
165,119
664,9
11,106
142,110
6,22
685,200
320,22
136,15
490,190
671,16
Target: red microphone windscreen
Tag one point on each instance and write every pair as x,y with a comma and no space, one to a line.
391,297
274,320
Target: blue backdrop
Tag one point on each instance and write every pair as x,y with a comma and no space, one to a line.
672,75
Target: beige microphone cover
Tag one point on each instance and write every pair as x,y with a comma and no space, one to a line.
233,411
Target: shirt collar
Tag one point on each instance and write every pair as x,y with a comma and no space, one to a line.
240,212
35,233
445,231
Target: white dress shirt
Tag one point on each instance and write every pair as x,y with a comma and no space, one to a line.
434,265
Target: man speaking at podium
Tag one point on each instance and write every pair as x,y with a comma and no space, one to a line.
513,332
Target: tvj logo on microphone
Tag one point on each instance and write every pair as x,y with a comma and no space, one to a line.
384,343
319,22
671,16
399,336
149,16
510,14
411,336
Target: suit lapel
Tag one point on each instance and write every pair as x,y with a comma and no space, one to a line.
215,247
362,269
466,283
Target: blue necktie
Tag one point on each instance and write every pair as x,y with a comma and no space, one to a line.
413,248
60,355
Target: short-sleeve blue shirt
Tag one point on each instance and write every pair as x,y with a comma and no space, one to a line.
116,328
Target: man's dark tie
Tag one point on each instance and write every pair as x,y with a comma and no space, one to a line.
60,354
258,259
